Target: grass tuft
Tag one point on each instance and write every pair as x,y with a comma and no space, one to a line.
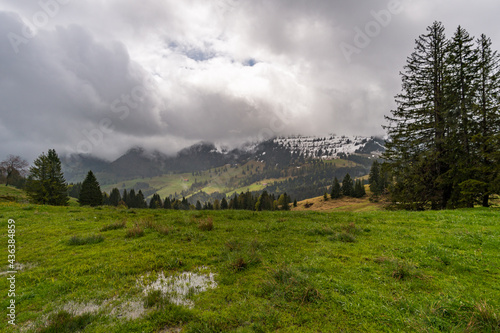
93,239
63,322
239,264
156,299
134,232
114,226
405,271
291,286
343,237
206,225
164,230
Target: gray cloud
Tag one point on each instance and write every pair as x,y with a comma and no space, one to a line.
102,76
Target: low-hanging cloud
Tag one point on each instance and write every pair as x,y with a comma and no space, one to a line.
100,77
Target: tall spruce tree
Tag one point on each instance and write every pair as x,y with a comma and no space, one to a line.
223,204
374,178
359,189
347,186
140,202
461,91
155,202
114,197
416,149
487,139
90,194
336,189
46,184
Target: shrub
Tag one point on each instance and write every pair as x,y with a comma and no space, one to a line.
93,239
239,264
164,230
135,231
206,225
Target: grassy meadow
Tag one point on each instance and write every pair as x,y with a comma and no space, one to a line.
120,270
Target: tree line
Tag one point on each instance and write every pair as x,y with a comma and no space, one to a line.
444,141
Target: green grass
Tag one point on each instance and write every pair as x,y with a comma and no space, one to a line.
274,271
11,194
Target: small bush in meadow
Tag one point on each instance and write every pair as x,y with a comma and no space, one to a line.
164,230
114,226
135,231
405,271
206,225
290,285
78,240
239,264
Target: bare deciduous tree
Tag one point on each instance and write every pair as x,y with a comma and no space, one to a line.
13,167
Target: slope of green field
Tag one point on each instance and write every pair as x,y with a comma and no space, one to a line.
9,193
119,270
222,180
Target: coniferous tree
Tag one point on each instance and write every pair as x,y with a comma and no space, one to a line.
74,190
336,189
416,150
223,204
486,142
155,202
131,200
374,178
125,197
105,199
184,204
359,189
444,143
461,91
198,205
114,197
90,194
46,184
284,202
347,186
167,204
140,202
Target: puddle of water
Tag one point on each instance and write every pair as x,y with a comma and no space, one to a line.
18,267
78,309
178,288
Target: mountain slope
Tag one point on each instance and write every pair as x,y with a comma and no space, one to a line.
279,152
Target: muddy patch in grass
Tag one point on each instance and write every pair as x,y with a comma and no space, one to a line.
177,288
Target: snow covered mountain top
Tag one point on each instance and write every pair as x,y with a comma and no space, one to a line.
332,146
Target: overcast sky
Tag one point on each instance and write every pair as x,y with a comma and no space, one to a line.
101,76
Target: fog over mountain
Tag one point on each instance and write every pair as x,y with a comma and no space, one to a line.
100,77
